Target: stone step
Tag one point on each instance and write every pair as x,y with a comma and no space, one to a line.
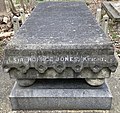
61,94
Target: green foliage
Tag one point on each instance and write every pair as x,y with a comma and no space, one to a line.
113,31
114,36
118,52
18,1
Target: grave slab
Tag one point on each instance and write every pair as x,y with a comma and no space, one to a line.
60,94
112,9
60,40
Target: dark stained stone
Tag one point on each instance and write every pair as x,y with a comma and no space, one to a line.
59,35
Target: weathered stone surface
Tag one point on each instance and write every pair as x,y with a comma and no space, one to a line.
25,82
116,6
58,36
51,73
111,10
60,95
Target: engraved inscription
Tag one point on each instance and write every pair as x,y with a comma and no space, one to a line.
55,59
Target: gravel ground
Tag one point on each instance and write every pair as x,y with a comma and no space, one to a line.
6,85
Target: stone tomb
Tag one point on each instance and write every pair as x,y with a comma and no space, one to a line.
116,7
112,9
60,41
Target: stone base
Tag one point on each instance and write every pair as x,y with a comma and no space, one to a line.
59,94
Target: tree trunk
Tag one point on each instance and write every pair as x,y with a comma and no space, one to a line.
2,7
32,3
12,8
22,4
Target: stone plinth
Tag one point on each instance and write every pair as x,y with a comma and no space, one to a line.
70,94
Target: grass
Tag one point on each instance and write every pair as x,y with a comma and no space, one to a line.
114,36
18,1
113,31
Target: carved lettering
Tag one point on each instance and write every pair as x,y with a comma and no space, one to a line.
54,59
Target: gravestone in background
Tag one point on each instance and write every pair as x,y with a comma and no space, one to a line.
58,50
112,9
